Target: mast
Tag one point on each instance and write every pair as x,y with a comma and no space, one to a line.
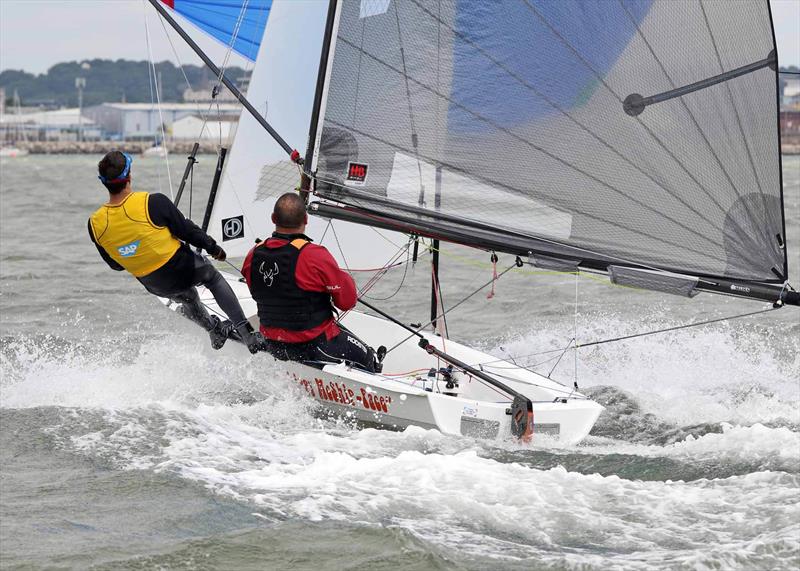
322,74
436,290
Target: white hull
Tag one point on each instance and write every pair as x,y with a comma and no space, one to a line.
404,395
158,152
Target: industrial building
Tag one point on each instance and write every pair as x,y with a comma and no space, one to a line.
140,121
56,125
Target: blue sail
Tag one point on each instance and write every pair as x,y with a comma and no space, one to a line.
219,19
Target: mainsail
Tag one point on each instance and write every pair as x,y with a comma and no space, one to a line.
620,135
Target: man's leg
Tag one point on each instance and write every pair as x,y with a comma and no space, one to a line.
207,275
193,308
345,347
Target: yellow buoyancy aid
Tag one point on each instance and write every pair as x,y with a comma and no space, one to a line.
126,232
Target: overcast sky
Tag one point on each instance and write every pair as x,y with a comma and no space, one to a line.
35,34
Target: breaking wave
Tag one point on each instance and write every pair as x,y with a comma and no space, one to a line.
694,463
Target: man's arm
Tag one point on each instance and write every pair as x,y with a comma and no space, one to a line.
318,271
103,254
164,213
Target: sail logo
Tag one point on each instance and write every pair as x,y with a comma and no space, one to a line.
128,250
268,274
233,228
357,173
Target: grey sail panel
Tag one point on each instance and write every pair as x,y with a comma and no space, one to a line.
519,105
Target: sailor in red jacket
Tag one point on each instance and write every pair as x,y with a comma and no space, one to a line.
296,284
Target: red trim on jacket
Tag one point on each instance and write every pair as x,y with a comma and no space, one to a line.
316,270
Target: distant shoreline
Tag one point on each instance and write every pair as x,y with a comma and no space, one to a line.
790,145
101,147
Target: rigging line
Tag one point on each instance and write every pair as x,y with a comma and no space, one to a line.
341,251
763,227
238,270
226,60
234,36
158,100
532,384
380,272
150,81
378,232
327,227
438,291
191,190
183,71
583,127
655,137
739,235
561,356
484,286
399,287
625,337
530,144
575,332
524,194
686,326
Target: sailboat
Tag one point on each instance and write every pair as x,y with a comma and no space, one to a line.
12,151
636,140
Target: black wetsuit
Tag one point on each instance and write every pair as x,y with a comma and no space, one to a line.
185,269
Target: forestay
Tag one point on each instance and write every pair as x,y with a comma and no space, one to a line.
531,119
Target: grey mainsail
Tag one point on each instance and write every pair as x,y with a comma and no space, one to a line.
633,133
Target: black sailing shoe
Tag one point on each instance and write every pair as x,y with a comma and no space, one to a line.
253,340
220,333
380,353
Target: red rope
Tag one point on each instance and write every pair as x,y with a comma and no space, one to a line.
490,295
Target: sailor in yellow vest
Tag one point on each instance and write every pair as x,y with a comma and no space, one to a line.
148,236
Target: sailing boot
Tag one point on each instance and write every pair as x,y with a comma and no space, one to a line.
380,353
220,332
253,340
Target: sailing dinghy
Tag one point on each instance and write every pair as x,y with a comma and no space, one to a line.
635,139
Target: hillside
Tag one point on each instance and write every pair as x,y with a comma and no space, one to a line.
106,81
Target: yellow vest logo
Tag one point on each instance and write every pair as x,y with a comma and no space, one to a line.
129,249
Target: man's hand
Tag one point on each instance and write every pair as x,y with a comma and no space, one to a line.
220,255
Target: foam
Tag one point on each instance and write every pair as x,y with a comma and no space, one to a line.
728,372
267,450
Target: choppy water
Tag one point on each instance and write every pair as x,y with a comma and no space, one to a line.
127,443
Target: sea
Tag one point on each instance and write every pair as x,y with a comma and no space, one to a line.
126,442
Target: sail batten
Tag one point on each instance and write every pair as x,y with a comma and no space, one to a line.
520,104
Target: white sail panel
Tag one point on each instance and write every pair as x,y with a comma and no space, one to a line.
257,169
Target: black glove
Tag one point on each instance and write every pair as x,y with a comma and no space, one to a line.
220,254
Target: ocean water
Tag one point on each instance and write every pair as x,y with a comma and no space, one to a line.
127,443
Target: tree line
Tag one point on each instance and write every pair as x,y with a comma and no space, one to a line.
107,81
